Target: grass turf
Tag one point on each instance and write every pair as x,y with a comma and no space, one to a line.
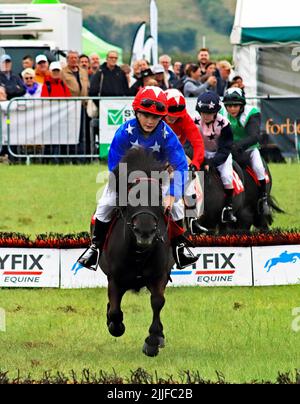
48,198
244,333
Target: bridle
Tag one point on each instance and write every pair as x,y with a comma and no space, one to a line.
129,221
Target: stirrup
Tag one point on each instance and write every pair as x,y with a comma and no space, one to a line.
230,210
90,258
194,221
191,259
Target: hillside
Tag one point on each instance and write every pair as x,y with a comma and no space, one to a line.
182,24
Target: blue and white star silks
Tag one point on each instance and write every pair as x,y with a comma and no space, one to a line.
155,148
129,129
135,145
162,142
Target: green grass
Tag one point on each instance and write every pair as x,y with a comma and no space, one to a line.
48,198
245,333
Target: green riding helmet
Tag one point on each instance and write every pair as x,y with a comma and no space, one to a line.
234,96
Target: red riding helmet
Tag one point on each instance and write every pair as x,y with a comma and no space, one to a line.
151,99
176,103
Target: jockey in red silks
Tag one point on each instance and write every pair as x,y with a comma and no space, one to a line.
149,131
186,130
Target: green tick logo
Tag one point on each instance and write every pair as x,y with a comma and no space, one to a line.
115,116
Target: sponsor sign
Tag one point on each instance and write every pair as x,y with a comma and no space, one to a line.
24,267
276,265
114,112
73,276
217,266
280,120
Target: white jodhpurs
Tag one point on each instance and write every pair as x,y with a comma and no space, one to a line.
107,204
225,170
257,164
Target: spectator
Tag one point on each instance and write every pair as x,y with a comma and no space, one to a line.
74,76
223,73
144,64
54,85
33,89
127,70
84,63
77,81
159,72
170,78
146,77
14,87
210,68
177,69
3,96
193,86
114,79
203,58
136,70
41,68
95,62
27,62
237,81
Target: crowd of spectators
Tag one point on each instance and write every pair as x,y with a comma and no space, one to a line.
85,75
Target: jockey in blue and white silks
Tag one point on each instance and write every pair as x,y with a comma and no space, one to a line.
150,132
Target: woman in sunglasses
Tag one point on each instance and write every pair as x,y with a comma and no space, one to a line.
147,130
186,130
33,89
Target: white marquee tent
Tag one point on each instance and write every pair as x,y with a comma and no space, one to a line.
266,39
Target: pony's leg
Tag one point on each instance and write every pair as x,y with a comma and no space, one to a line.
114,313
156,338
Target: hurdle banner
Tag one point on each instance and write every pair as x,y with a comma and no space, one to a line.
216,266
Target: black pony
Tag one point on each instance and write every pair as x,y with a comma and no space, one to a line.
214,198
251,212
137,251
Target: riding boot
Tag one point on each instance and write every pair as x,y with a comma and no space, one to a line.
179,243
90,258
263,206
227,212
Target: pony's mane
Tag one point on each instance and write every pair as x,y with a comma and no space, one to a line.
140,160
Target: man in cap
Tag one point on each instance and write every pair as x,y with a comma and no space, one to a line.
11,82
41,68
159,72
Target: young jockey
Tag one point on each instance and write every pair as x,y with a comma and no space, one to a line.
218,137
185,129
245,122
149,131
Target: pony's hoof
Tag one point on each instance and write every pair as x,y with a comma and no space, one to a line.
116,330
161,342
150,350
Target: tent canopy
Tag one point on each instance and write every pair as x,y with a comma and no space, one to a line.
90,42
265,21
93,44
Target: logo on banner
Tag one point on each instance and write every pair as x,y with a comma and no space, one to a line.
118,116
215,267
21,268
283,258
